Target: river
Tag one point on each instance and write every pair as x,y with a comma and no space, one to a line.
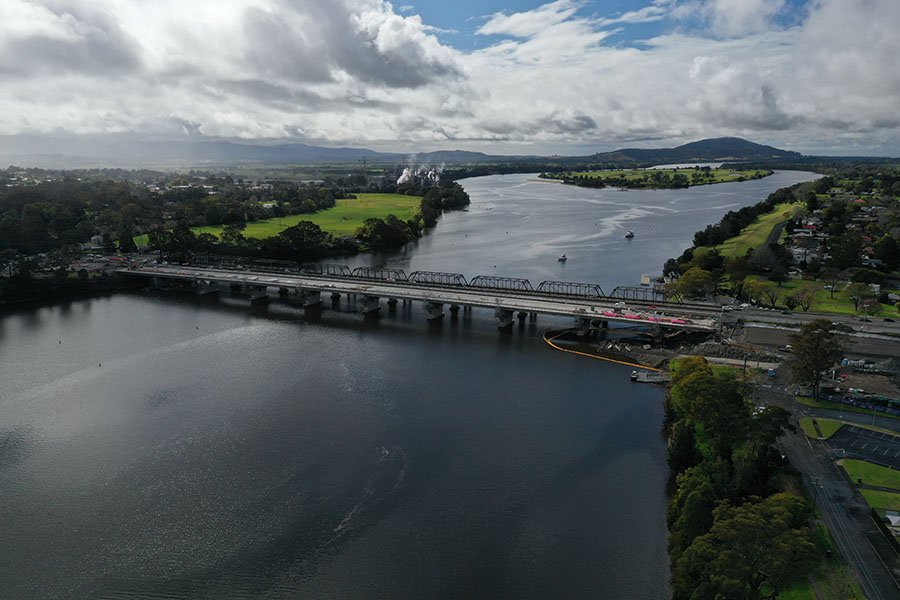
180,447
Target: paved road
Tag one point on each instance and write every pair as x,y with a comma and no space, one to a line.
844,511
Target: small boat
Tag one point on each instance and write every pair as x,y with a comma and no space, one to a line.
629,234
634,375
562,257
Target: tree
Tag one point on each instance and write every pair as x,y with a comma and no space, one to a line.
856,292
754,290
762,258
803,297
8,256
233,233
812,201
888,251
772,294
717,404
815,349
832,276
695,282
779,274
752,551
126,239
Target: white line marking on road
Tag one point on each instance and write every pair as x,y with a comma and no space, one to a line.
864,445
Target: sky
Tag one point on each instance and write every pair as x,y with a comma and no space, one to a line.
503,77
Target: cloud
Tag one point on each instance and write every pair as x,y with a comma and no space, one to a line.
360,72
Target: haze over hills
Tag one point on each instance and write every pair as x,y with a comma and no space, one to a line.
120,152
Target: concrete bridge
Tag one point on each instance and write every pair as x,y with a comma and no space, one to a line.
507,297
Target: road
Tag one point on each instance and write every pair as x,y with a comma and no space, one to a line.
844,511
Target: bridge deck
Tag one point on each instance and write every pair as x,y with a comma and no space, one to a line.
567,306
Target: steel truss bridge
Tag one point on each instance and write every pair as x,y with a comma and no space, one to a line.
305,284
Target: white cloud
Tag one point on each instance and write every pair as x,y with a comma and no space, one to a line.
356,71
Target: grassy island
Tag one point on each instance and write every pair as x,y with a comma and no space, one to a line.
657,178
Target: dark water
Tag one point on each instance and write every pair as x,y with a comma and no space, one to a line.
223,451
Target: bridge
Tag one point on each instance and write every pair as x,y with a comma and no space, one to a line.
506,296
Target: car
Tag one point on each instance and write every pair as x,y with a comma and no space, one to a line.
889,320
786,312
865,319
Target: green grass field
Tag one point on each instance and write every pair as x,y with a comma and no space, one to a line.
755,234
882,500
346,216
637,175
872,474
823,302
827,426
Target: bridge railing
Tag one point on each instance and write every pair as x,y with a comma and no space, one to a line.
326,269
380,273
568,288
644,294
438,278
492,282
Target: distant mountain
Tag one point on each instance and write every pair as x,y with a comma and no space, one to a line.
129,152
716,149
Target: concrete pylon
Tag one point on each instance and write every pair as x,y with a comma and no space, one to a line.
309,297
434,310
369,304
505,317
582,326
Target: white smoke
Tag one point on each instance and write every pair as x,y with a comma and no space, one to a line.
420,174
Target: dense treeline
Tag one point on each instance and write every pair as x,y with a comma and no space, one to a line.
306,241
25,285
736,531
734,221
55,216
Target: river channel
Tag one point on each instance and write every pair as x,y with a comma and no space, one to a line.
171,446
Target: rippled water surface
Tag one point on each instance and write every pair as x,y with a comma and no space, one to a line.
179,447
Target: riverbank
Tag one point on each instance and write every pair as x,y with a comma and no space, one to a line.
46,290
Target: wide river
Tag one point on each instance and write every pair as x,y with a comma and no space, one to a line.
170,446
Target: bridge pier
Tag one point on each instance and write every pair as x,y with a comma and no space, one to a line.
454,308
163,283
309,297
255,292
202,287
582,326
659,334
505,317
433,310
369,304
392,302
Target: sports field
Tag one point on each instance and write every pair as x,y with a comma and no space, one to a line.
343,219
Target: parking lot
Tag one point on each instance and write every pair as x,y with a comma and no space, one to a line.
875,446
